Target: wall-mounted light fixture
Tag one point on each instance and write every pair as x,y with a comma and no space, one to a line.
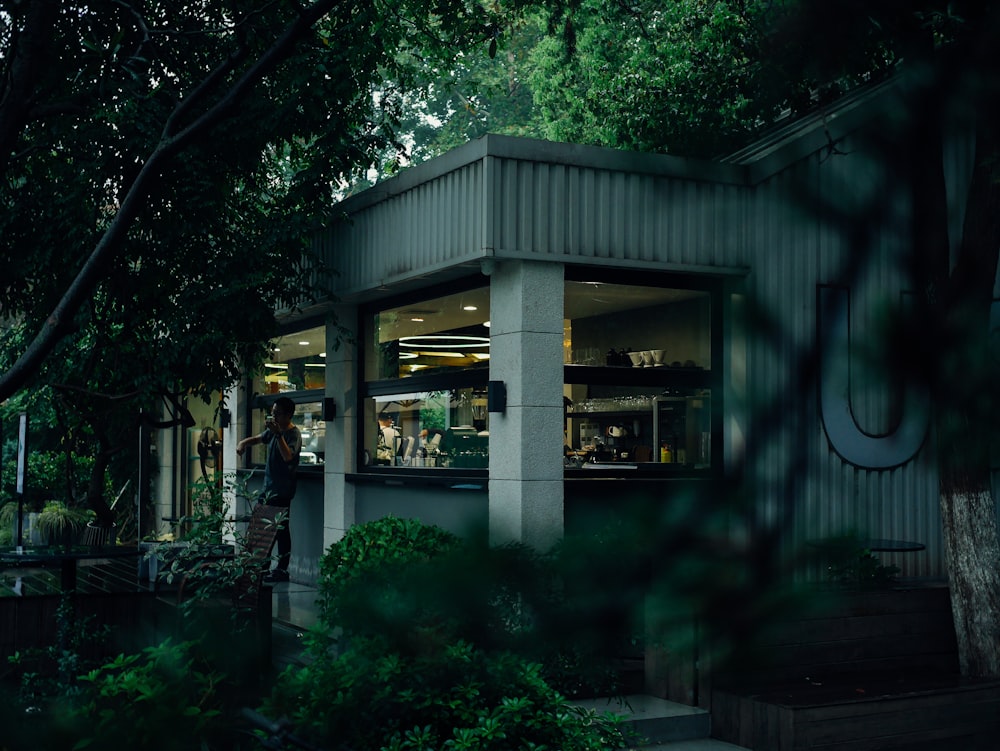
329,408
496,396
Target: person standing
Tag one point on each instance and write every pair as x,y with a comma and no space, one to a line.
284,442
388,440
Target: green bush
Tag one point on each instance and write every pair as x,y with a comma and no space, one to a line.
46,477
160,698
453,698
451,645
418,588
375,554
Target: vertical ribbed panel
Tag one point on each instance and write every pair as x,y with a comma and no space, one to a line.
434,224
574,213
791,250
783,231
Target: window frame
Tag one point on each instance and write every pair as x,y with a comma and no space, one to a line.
459,379
677,378
258,401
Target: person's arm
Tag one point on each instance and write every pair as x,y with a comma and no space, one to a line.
287,452
246,443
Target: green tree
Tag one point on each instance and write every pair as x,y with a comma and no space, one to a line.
683,77
163,165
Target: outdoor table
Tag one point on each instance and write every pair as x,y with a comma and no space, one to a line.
67,558
892,546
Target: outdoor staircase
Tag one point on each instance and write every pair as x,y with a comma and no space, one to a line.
664,725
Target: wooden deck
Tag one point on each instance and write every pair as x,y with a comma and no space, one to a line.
108,592
879,671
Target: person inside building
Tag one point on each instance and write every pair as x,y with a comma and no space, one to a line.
388,440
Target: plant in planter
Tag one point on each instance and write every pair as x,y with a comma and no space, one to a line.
8,522
861,569
60,524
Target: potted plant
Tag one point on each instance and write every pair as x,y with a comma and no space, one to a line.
60,524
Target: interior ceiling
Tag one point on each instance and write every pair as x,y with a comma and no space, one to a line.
449,314
583,299
291,347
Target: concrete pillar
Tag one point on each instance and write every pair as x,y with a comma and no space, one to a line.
341,432
526,441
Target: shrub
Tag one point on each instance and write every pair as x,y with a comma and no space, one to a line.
48,474
375,554
456,698
419,588
161,698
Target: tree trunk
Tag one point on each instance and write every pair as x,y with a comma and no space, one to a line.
972,554
95,489
966,395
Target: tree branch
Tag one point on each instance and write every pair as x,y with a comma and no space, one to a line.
59,321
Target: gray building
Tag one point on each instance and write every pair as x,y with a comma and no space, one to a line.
548,330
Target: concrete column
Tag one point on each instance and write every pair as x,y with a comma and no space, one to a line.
526,441
341,432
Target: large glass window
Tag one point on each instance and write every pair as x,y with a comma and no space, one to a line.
296,368
434,336
640,370
426,366
448,429
297,363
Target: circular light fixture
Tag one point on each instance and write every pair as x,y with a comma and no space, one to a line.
443,341
469,307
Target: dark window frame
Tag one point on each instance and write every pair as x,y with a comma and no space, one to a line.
470,378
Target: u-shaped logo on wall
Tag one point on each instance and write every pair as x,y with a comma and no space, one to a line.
846,438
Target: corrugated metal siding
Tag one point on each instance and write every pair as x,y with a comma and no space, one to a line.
435,224
570,211
790,252
577,214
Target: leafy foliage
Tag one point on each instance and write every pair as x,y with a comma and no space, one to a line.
50,672
49,474
374,554
455,697
60,524
163,168
416,588
446,647
160,698
210,556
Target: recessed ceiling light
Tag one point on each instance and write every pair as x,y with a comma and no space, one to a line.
417,320
443,341
303,344
469,307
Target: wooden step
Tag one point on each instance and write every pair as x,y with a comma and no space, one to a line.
653,719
